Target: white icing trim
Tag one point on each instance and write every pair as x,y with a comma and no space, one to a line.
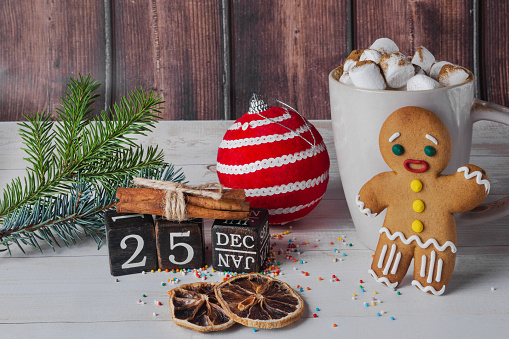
382,279
423,266
479,180
258,123
396,264
418,240
382,257
431,267
270,162
365,211
439,270
290,210
290,187
394,136
389,261
428,288
432,139
236,143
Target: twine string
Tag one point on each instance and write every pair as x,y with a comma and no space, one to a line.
257,111
174,199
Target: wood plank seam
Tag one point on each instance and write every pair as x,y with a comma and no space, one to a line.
477,49
108,56
350,26
226,33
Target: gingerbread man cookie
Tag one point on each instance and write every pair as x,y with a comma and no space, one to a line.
420,201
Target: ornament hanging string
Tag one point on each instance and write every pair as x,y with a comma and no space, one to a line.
258,106
174,200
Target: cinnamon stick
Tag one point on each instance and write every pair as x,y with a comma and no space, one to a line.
145,207
151,194
222,204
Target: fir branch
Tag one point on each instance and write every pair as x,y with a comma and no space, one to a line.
76,166
81,142
62,218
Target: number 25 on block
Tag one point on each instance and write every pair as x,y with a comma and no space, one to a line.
135,245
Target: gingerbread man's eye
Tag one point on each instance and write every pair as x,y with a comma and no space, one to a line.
398,149
430,151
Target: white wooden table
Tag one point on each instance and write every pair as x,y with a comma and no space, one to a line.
69,293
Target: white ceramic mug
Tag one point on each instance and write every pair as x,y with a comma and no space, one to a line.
357,117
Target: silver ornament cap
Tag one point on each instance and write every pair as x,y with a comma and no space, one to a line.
257,105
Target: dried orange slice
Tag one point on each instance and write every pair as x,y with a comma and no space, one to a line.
195,306
259,301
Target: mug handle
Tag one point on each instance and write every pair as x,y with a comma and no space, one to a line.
483,110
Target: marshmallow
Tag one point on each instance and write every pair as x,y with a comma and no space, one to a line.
367,74
421,82
397,69
418,70
451,75
385,46
338,72
423,58
371,54
352,59
436,68
345,79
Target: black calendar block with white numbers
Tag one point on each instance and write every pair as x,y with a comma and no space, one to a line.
241,245
180,244
131,242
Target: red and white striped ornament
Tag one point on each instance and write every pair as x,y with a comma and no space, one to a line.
278,158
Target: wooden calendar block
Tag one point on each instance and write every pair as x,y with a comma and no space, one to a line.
241,245
180,245
131,242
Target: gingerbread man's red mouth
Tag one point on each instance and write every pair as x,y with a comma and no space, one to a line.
419,163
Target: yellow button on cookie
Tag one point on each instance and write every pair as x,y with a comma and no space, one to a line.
417,226
418,206
416,185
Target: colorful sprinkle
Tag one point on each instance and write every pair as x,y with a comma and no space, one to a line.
378,315
315,315
334,325
392,318
317,309
398,293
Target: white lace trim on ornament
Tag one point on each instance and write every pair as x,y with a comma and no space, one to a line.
263,139
261,122
418,240
291,187
270,162
290,210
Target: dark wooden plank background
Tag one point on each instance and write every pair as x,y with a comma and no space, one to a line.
207,57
